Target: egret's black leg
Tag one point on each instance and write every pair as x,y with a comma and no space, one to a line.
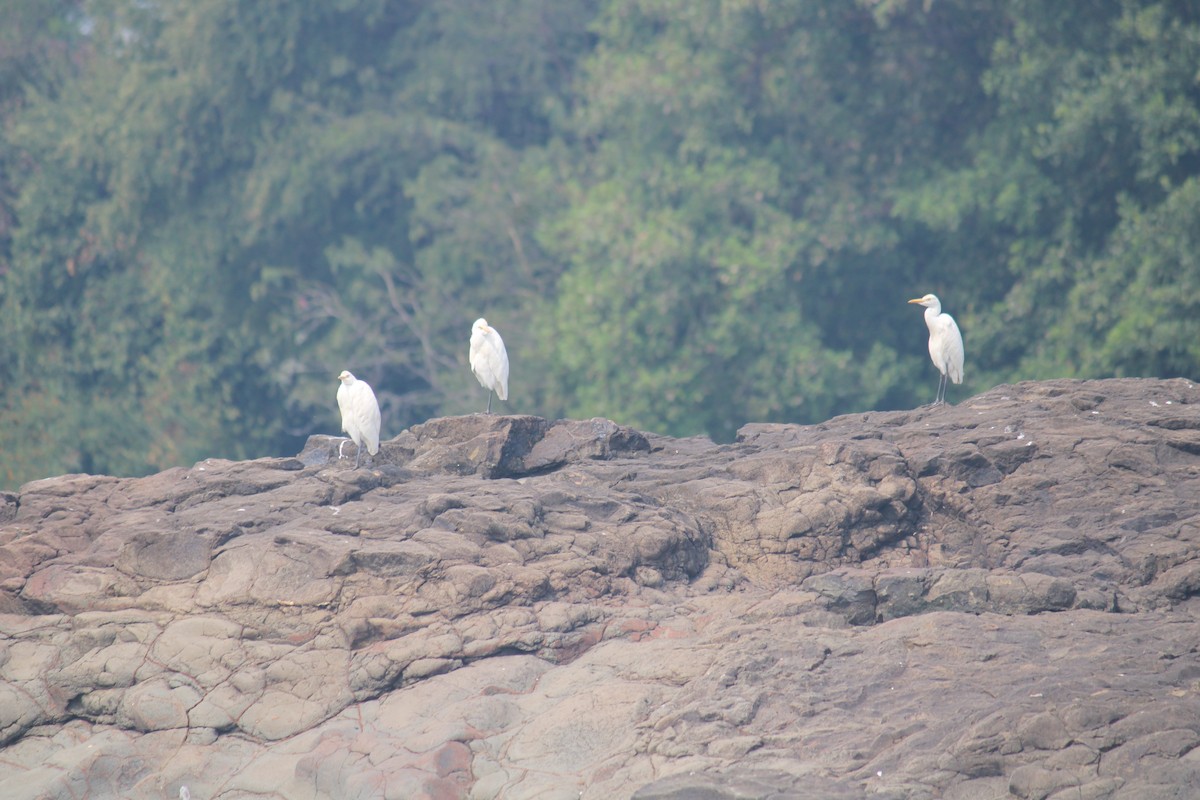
489,408
357,455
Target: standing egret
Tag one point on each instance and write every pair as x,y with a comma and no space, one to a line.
360,414
945,343
489,360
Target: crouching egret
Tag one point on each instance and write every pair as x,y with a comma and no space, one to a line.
489,360
360,414
945,343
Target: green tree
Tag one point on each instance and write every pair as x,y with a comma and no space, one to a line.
681,215
235,201
40,45
1077,203
733,229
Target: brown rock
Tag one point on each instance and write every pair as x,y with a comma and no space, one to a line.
993,599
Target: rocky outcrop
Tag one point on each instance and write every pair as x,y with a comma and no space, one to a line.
996,599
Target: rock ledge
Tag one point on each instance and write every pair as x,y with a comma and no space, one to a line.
992,600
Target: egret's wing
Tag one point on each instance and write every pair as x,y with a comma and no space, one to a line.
952,348
501,368
479,351
475,351
365,414
343,398
489,362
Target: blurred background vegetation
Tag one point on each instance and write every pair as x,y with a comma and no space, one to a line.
681,214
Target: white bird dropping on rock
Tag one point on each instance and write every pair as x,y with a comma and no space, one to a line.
489,360
945,343
360,414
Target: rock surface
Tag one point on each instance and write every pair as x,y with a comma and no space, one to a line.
991,600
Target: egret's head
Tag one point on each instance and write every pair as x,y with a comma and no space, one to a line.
481,326
929,301
346,376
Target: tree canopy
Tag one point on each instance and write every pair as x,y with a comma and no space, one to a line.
683,215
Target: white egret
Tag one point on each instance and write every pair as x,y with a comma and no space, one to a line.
489,360
945,343
360,414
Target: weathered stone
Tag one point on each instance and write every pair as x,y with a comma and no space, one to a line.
902,593
851,593
1043,732
578,440
165,556
993,599
747,785
155,706
1035,783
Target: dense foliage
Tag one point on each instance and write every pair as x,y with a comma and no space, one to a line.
681,214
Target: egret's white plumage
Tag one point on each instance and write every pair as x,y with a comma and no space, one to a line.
360,414
945,343
489,360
